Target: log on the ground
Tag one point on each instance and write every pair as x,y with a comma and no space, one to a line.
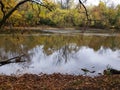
111,71
12,60
114,71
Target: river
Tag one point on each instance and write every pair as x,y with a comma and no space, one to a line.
60,52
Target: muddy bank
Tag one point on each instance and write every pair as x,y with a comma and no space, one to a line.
59,82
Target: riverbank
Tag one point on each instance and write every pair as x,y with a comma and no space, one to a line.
59,82
47,29
54,28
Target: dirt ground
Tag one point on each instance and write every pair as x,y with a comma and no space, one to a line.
59,82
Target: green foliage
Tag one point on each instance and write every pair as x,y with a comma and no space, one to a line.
29,16
46,21
65,18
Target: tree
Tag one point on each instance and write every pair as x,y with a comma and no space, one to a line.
99,15
118,17
68,4
7,14
45,3
86,12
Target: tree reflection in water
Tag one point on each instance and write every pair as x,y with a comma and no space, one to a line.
61,53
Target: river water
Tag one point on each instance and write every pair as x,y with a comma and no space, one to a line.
64,53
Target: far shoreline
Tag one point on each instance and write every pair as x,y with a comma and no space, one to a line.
41,29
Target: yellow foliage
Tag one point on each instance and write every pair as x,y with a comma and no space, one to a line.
9,4
16,15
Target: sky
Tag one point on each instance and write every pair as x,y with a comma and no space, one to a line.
96,2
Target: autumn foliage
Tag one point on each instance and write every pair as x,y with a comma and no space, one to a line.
60,14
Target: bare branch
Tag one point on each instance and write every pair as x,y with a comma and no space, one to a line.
12,60
2,8
86,12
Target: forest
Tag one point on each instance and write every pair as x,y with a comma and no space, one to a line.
60,13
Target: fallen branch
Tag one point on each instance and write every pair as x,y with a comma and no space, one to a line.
111,71
12,60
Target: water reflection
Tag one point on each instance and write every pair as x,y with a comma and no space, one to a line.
60,54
